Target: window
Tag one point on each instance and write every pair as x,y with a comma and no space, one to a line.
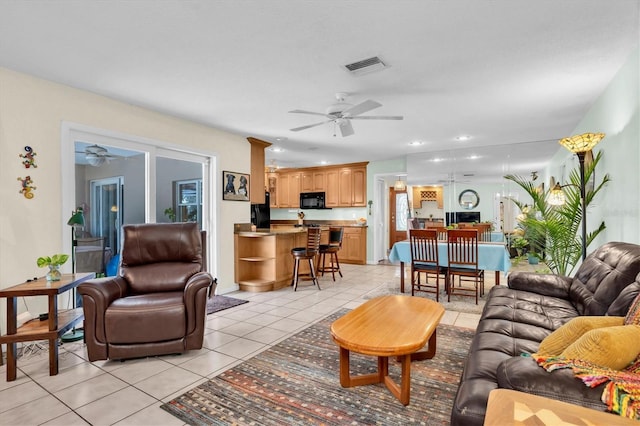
188,200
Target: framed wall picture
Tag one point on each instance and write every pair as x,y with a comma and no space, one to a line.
235,186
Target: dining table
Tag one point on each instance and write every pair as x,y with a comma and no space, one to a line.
492,256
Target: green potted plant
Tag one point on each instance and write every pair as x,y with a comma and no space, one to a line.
520,244
54,262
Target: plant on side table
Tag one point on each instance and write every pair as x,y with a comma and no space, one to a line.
54,262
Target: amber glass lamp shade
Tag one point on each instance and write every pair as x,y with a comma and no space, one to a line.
582,143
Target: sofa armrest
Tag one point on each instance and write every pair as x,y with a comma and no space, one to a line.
97,295
195,300
544,284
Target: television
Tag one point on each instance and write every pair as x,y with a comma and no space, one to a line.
459,217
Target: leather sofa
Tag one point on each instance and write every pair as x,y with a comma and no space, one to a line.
517,317
157,302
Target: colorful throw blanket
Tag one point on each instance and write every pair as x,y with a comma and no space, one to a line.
622,392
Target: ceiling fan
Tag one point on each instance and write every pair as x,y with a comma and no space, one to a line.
96,155
341,114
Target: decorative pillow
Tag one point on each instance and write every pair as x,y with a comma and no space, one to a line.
568,333
611,347
633,316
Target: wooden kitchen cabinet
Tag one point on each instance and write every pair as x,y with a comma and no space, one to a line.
294,189
272,186
282,190
345,188
319,180
333,188
359,187
427,193
258,184
354,245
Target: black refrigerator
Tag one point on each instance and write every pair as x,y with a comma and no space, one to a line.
260,214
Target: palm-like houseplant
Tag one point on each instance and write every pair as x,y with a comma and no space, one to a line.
554,230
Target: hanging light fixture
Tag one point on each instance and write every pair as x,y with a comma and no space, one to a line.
580,145
400,185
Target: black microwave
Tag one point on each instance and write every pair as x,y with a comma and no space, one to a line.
312,200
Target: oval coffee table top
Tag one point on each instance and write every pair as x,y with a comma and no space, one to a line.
388,325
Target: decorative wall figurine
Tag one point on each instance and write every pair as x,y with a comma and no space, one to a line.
27,188
29,158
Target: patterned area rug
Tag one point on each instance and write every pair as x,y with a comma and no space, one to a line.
220,303
297,382
458,303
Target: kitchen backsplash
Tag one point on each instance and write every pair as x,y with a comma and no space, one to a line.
310,214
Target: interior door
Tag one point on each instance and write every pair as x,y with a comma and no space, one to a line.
398,215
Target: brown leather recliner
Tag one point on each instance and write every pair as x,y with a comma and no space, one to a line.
157,303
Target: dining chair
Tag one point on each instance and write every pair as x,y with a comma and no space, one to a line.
332,248
306,253
462,251
424,260
442,232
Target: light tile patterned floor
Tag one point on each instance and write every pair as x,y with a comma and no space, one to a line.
130,392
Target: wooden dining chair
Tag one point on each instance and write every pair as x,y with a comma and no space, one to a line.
306,253
424,260
462,251
442,232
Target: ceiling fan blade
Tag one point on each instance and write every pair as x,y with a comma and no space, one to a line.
297,129
300,111
377,117
360,108
346,129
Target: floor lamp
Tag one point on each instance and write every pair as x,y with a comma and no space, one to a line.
580,145
76,221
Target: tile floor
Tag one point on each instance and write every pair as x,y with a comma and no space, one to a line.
130,392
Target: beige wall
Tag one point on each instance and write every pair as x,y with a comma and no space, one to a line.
31,113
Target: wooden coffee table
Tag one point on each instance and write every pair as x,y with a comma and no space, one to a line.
383,327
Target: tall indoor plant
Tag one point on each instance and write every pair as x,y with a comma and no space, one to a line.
555,229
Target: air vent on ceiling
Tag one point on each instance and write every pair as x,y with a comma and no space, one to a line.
366,66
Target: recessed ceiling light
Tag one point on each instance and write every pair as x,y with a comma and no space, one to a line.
437,160
416,143
463,138
324,162
276,149
281,139
474,157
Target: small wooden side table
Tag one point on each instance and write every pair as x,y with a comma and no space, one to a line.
58,323
509,407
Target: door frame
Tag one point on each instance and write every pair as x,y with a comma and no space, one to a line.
72,132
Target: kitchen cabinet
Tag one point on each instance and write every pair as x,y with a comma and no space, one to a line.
344,186
258,186
333,188
272,187
427,193
354,245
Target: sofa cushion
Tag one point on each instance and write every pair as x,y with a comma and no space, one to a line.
566,335
148,318
621,305
525,375
610,347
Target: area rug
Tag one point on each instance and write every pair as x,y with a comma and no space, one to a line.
296,382
458,303
220,303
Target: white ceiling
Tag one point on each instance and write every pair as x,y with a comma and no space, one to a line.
504,72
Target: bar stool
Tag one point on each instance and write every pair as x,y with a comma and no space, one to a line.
306,253
335,244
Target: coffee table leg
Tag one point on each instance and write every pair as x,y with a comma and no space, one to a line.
429,353
401,392
345,377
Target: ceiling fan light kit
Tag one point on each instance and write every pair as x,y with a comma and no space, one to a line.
341,114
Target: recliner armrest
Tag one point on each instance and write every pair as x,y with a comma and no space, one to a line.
196,307
544,284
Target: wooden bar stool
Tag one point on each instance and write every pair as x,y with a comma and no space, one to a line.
334,246
306,253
